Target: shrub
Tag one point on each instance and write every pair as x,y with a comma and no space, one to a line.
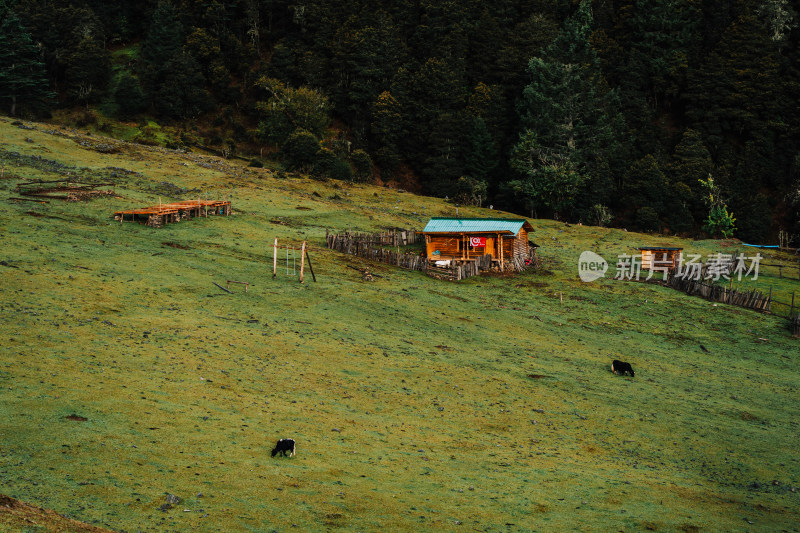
300,150
341,170
600,215
362,164
647,219
324,161
327,164
129,97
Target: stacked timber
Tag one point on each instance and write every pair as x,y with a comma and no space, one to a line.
460,270
154,221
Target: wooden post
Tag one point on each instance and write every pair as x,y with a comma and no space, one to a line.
302,260
275,259
791,311
500,241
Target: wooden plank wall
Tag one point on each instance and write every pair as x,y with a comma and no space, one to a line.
446,244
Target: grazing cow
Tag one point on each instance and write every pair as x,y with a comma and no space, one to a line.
283,446
621,368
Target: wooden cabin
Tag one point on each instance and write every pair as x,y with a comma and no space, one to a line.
665,256
466,239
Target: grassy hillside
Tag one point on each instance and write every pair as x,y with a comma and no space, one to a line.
416,404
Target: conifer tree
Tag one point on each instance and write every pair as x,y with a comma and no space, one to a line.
162,44
181,94
88,70
480,161
571,119
129,96
23,79
386,129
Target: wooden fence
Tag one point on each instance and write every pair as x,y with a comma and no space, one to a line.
784,309
383,238
780,268
370,246
717,293
364,245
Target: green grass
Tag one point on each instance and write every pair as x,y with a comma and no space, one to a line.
416,404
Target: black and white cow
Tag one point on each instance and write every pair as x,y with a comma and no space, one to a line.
283,446
621,368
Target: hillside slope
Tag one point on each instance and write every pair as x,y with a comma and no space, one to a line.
130,380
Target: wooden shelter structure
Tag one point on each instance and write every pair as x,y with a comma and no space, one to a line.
463,240
158,215
661,256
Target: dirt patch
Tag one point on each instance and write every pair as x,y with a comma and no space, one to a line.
533,284
20,516
5,501
76,418
451,296
176,245
536,376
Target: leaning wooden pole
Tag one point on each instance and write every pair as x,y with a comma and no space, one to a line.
302,260
275,259
311,268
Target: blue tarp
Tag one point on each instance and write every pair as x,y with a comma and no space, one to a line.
762,245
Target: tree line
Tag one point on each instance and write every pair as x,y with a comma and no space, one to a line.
678,116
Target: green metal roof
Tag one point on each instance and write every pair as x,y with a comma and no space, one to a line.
475,225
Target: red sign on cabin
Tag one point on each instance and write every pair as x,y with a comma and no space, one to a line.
477,242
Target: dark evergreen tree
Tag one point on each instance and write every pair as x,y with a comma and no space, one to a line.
690,163
206,49
88,70
161,45
181,94
386,130
129,97
444,163
23,80
573,130
736,91
480,160
364,60
647,186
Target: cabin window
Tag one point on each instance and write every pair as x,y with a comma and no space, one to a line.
474,244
